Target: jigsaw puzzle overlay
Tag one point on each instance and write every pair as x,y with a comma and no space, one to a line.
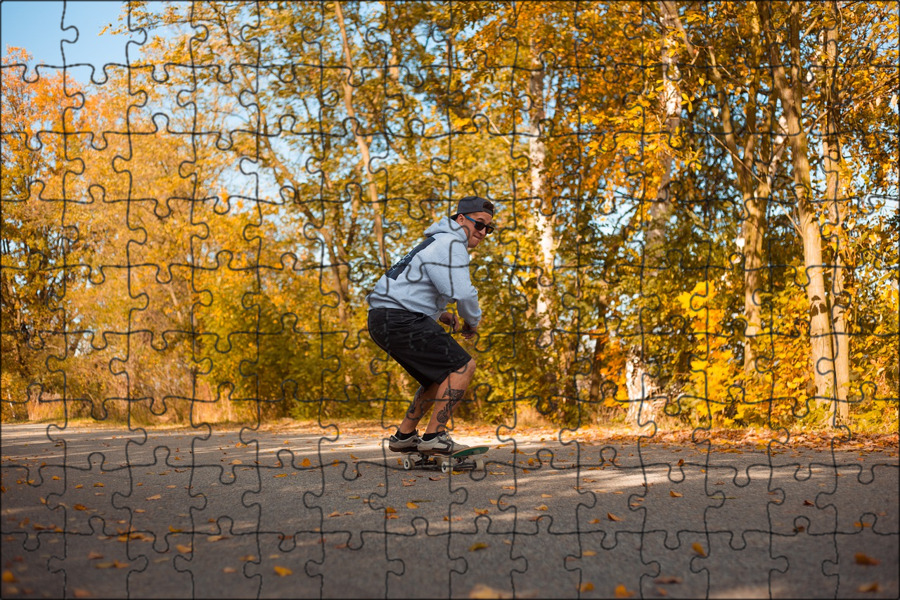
685,364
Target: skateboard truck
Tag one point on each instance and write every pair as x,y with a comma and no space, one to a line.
446,462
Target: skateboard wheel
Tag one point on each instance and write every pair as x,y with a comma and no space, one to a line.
407,463
445,466
479,464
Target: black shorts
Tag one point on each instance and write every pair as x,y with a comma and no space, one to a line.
416,341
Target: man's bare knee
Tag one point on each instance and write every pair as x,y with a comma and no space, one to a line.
470,367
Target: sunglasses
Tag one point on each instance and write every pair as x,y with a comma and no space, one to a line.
479,225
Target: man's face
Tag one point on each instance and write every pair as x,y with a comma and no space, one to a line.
472,232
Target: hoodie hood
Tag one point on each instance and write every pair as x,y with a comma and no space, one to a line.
447,225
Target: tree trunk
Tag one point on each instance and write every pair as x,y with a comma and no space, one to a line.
365,157
544,212
791,96
831,146
670,100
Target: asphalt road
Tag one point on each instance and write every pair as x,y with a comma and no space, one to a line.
290,513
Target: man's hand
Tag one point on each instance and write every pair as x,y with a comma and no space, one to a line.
468,331
448,318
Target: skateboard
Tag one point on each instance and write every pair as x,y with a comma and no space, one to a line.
470,458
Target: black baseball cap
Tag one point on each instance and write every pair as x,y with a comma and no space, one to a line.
471,204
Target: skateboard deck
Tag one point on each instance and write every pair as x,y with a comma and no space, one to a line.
470,458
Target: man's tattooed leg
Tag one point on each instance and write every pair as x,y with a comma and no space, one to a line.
418,406
453,397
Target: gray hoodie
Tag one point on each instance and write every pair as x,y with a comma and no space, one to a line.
431,275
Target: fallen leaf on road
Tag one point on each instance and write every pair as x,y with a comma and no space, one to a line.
111,565
698,548
808,503
229,570
305,462
9,577
667,579
587,586
542,507
622,592
283,571
412,505
612,517
390,510
335,514
155,497
546,495
482,591
94,555
863,559
477,546
869,587
589,553
184,549
674,494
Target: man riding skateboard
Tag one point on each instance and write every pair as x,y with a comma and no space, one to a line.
405,308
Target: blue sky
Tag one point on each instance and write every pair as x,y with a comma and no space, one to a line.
38,27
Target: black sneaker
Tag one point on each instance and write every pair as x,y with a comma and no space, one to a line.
442,443
410,444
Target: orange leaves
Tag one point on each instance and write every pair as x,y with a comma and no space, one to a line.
864,559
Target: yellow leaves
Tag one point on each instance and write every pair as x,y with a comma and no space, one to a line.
282,571
869,587
154,497
587,586
477,546
412,505
622,592
543,507
674,494
9,577
612,517
698,548
184,548
481,511
306,462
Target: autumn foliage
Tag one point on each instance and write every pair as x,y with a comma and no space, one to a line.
698,212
